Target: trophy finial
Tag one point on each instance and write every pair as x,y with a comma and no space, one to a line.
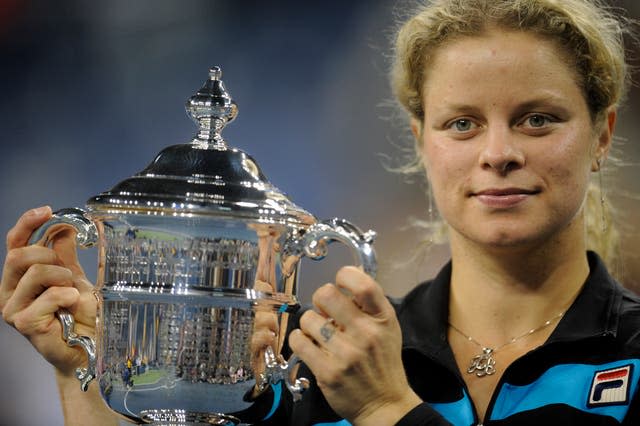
212,108
215,73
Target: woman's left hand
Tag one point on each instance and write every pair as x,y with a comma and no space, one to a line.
352,343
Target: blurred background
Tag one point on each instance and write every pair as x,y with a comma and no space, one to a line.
91,91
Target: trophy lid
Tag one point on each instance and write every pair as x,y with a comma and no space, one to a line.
204,177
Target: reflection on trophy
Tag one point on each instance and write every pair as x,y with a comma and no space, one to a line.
197,277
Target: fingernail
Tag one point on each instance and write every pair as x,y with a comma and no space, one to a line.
40,211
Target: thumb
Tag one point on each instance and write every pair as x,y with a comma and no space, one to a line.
65,246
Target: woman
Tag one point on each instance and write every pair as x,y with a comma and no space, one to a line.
513,106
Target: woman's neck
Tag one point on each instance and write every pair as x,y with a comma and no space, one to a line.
501,293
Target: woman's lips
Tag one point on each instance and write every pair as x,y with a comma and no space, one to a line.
503,198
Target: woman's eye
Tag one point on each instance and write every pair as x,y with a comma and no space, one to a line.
537,120
462,125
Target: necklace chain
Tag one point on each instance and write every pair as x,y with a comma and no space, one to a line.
484,364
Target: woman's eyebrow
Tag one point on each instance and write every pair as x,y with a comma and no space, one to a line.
542,101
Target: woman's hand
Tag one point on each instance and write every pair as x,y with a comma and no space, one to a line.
36,282
352,343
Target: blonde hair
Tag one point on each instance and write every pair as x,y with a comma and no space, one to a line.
588,33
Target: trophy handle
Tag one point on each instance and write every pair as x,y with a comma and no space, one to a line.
277,369
85,375
313,244
86,236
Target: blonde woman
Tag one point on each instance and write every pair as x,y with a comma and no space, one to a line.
513,106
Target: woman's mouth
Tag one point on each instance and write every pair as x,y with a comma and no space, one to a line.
502,198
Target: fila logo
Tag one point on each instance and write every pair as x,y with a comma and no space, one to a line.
610,387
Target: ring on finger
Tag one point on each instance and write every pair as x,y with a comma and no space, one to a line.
328,329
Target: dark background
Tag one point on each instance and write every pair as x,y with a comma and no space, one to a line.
90,91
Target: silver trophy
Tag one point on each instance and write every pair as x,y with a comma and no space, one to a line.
197,254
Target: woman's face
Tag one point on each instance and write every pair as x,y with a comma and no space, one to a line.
507,139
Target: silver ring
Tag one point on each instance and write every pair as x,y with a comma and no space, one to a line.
328,329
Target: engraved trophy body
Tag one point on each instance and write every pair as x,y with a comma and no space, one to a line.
196,253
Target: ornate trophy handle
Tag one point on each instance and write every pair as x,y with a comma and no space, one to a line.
85,375
277,369
86,236
313,244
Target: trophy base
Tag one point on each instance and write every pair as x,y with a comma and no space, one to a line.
174,417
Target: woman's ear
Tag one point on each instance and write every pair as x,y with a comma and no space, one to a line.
416,128
605,138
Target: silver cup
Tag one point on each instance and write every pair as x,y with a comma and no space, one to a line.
198,260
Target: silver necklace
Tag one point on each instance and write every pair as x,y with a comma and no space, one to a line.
484,364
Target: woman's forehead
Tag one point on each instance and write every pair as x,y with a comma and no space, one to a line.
495,60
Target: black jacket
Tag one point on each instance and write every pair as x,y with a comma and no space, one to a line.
587,373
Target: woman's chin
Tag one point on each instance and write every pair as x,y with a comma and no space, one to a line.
507,239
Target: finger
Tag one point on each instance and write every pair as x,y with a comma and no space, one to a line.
261,339
19,235
64,244
38,317
266,321
333,303
82,284
85,309
19,260
36,281
322,330
306,349
263,286
366,293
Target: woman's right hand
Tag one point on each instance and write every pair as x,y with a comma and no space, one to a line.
36,282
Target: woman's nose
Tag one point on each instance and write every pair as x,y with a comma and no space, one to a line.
500,151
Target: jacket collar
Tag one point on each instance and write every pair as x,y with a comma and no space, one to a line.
596,310
424,312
